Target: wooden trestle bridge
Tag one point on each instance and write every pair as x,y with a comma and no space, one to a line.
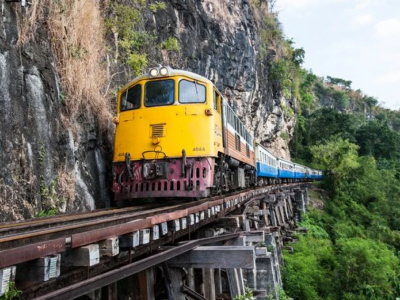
208,249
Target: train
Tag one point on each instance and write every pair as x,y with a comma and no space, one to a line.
176,137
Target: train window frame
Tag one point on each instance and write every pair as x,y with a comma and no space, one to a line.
197,85
217,101
237,142
215,104
162,104
127,92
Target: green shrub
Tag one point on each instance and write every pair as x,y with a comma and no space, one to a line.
154,7
170,44
137,62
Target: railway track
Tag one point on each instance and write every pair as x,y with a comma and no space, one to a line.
24,233
26,241
76,230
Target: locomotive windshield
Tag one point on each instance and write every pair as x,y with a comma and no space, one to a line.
191,92
158,93
131,98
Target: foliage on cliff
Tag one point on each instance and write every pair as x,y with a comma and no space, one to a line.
351,251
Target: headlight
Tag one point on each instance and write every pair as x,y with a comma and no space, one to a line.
164,71
153,72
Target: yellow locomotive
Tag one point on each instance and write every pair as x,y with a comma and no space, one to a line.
176,137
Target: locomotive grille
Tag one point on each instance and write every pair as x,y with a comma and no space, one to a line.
157,130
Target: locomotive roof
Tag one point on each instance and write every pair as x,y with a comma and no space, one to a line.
173,72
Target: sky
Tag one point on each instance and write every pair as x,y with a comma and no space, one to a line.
357,40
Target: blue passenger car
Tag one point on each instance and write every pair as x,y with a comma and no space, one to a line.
285,169
300,171
267,166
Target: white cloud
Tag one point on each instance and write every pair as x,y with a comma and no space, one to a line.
305,4
388,28
363,4
364,19
388,78
296,4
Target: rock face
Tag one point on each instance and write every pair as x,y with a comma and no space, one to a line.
46,163
220,40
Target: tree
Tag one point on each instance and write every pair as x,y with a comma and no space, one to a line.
339,157
377,139
364,268
308,271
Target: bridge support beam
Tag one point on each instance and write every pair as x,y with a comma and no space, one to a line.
209,283
174,284
109,292
216,257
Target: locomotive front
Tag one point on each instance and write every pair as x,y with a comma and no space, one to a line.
167,136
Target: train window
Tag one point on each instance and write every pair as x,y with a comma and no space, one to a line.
191,92
158,93
131,98
237,142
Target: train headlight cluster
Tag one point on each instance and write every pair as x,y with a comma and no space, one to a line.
159,71
164,71
154,72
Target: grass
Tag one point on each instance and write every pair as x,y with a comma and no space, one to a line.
76,32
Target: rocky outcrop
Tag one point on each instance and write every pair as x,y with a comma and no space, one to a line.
221,40
47,161
44,162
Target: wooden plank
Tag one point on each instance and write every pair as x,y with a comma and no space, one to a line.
174,284
155,232
6,276
210,232
130,240
234,285
190,278
147,281
255,237
233,221
109,247
216,257
218,281
265,216
41,269
261,212
144,236
240,281
209,285
86,256
109,292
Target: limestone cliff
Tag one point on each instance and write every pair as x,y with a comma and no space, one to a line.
54,153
